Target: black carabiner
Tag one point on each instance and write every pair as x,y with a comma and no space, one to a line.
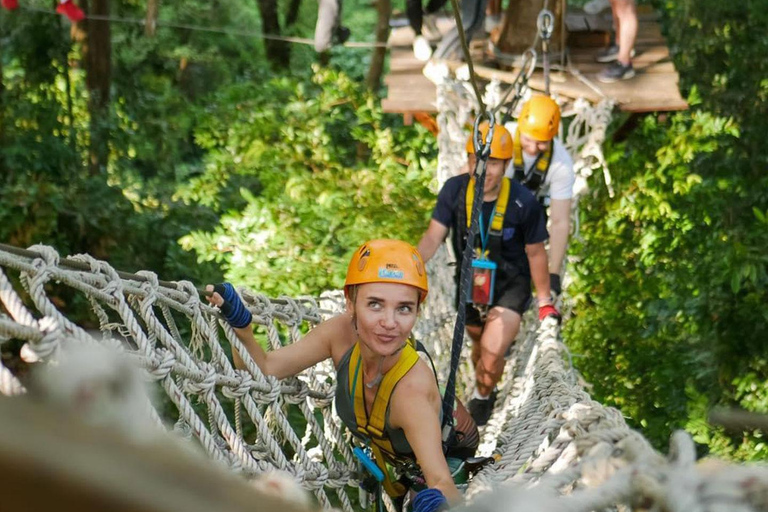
483,150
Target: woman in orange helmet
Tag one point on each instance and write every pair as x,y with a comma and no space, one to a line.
372,351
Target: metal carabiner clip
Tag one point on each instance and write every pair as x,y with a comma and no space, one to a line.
546,24
483,150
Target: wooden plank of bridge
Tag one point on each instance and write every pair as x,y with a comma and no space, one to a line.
50,462
654,88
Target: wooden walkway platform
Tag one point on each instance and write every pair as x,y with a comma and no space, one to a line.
654,88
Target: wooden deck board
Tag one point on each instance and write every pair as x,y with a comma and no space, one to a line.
654,88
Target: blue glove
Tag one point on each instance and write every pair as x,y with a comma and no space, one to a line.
233,310
430,500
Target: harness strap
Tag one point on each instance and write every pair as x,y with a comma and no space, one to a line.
540,165
373,427
499,211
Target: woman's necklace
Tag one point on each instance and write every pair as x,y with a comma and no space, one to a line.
379,375
377,379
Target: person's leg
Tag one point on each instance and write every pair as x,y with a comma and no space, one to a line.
415,15
625,19
499,332
626,32
615,18
328,21
475,332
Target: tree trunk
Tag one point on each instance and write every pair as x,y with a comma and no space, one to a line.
95,36
278,52
293,13
384,8
150,24
2,104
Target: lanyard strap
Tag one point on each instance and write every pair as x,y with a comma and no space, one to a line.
485,233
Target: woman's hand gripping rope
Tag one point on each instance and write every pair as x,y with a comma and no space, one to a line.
231,305
430,500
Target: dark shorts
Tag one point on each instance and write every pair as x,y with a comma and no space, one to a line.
515,294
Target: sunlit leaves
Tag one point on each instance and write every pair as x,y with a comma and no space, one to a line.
332,173
671,283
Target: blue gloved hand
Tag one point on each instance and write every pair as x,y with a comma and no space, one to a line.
430,500
232,309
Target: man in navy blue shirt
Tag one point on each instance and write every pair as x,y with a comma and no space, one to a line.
514,246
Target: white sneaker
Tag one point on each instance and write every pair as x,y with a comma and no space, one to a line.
422,50
596,6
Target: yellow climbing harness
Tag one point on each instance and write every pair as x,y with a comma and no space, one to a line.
540,166
373,427
501,205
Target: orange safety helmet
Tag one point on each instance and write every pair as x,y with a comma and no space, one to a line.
540,118
501,145
387,261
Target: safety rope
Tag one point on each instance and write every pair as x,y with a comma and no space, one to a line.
546,25
482,153
518,85
467,56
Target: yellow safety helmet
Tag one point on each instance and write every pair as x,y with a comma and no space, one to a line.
387,261
501,145
540,118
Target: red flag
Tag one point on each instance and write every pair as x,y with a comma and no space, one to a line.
70,10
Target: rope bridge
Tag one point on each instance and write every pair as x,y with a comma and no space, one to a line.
556,449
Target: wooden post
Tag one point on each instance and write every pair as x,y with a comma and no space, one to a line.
384,8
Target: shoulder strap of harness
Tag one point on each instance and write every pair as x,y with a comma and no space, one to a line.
499,211
540,166
373,428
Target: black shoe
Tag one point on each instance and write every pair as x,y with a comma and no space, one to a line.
610,54
481,410
341,35
616,71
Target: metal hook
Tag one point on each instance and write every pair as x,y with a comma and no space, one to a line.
483,150
529,59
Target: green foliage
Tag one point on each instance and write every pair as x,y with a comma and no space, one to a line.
671,287
328,172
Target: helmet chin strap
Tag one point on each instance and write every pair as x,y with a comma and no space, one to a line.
379,375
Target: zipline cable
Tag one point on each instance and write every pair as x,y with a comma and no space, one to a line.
215,30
